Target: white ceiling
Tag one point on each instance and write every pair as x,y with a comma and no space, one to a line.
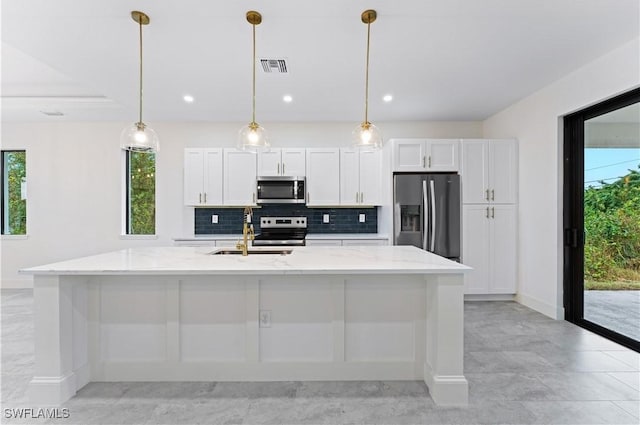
440,59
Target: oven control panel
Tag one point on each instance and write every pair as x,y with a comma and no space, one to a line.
283,222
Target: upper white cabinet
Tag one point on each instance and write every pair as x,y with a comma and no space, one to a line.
202,176
360,177
282,162
425,155
323,177
239,177
489,171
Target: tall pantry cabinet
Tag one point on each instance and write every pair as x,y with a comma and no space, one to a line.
489,215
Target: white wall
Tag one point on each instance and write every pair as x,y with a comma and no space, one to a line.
536,122
74,176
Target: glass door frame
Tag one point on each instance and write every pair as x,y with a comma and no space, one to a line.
573,214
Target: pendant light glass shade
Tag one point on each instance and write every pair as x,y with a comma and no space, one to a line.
366,135
139,137
253,137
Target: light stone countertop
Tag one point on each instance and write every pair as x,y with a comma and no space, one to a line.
303,260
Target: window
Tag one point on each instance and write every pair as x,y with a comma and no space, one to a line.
140,193
14,193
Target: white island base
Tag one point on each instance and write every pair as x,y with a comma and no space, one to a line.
178,314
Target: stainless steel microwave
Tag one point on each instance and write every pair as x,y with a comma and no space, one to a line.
280,190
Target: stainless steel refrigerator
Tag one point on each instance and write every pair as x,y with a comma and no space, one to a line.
427,212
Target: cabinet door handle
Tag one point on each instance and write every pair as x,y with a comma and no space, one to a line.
253,197
429,161
492,195
362,197
308,198
356,197
424,160
493,212
199,198
283,168
205,197
278,168
486,196
487,212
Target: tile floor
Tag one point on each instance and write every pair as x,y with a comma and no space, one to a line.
522,367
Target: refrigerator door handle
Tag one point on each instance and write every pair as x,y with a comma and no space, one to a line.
433,215
397,224
426,215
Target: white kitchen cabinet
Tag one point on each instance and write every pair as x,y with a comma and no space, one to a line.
360,177
203,176
489,171
489,246
323,177
323,242
426,155
282,162
347,242
239,178
364,242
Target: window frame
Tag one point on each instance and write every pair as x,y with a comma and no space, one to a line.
3,181
126,202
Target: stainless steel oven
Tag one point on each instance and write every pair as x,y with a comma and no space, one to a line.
281,231
280,190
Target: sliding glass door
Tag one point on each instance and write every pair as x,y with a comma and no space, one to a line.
602,218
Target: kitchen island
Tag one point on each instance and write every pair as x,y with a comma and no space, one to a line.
183,314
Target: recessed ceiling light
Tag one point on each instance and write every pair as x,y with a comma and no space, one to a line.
387,98
287,98
188,98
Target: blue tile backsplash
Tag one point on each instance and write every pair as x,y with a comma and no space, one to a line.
341,220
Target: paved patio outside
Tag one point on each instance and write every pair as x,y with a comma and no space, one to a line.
616,310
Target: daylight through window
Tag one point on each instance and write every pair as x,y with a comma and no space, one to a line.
141,193
14,193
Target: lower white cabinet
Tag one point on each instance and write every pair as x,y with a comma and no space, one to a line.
489,246
364,242
323,242
346,242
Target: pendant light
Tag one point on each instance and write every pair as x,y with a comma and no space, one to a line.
367,135
139,137
253,137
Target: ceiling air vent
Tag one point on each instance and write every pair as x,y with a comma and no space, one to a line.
53,113
274,66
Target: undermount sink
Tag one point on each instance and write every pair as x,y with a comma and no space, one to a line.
252,252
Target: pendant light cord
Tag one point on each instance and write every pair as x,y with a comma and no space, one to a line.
253,119
366,84
140,25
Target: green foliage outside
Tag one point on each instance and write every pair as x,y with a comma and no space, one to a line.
612,229
15,168
142,193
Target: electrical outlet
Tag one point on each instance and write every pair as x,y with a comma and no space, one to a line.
325,218
214,219
361,218
265,318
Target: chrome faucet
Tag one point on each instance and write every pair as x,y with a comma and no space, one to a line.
247,232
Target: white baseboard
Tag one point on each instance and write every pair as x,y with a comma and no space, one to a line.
26,283
490,297
553,311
